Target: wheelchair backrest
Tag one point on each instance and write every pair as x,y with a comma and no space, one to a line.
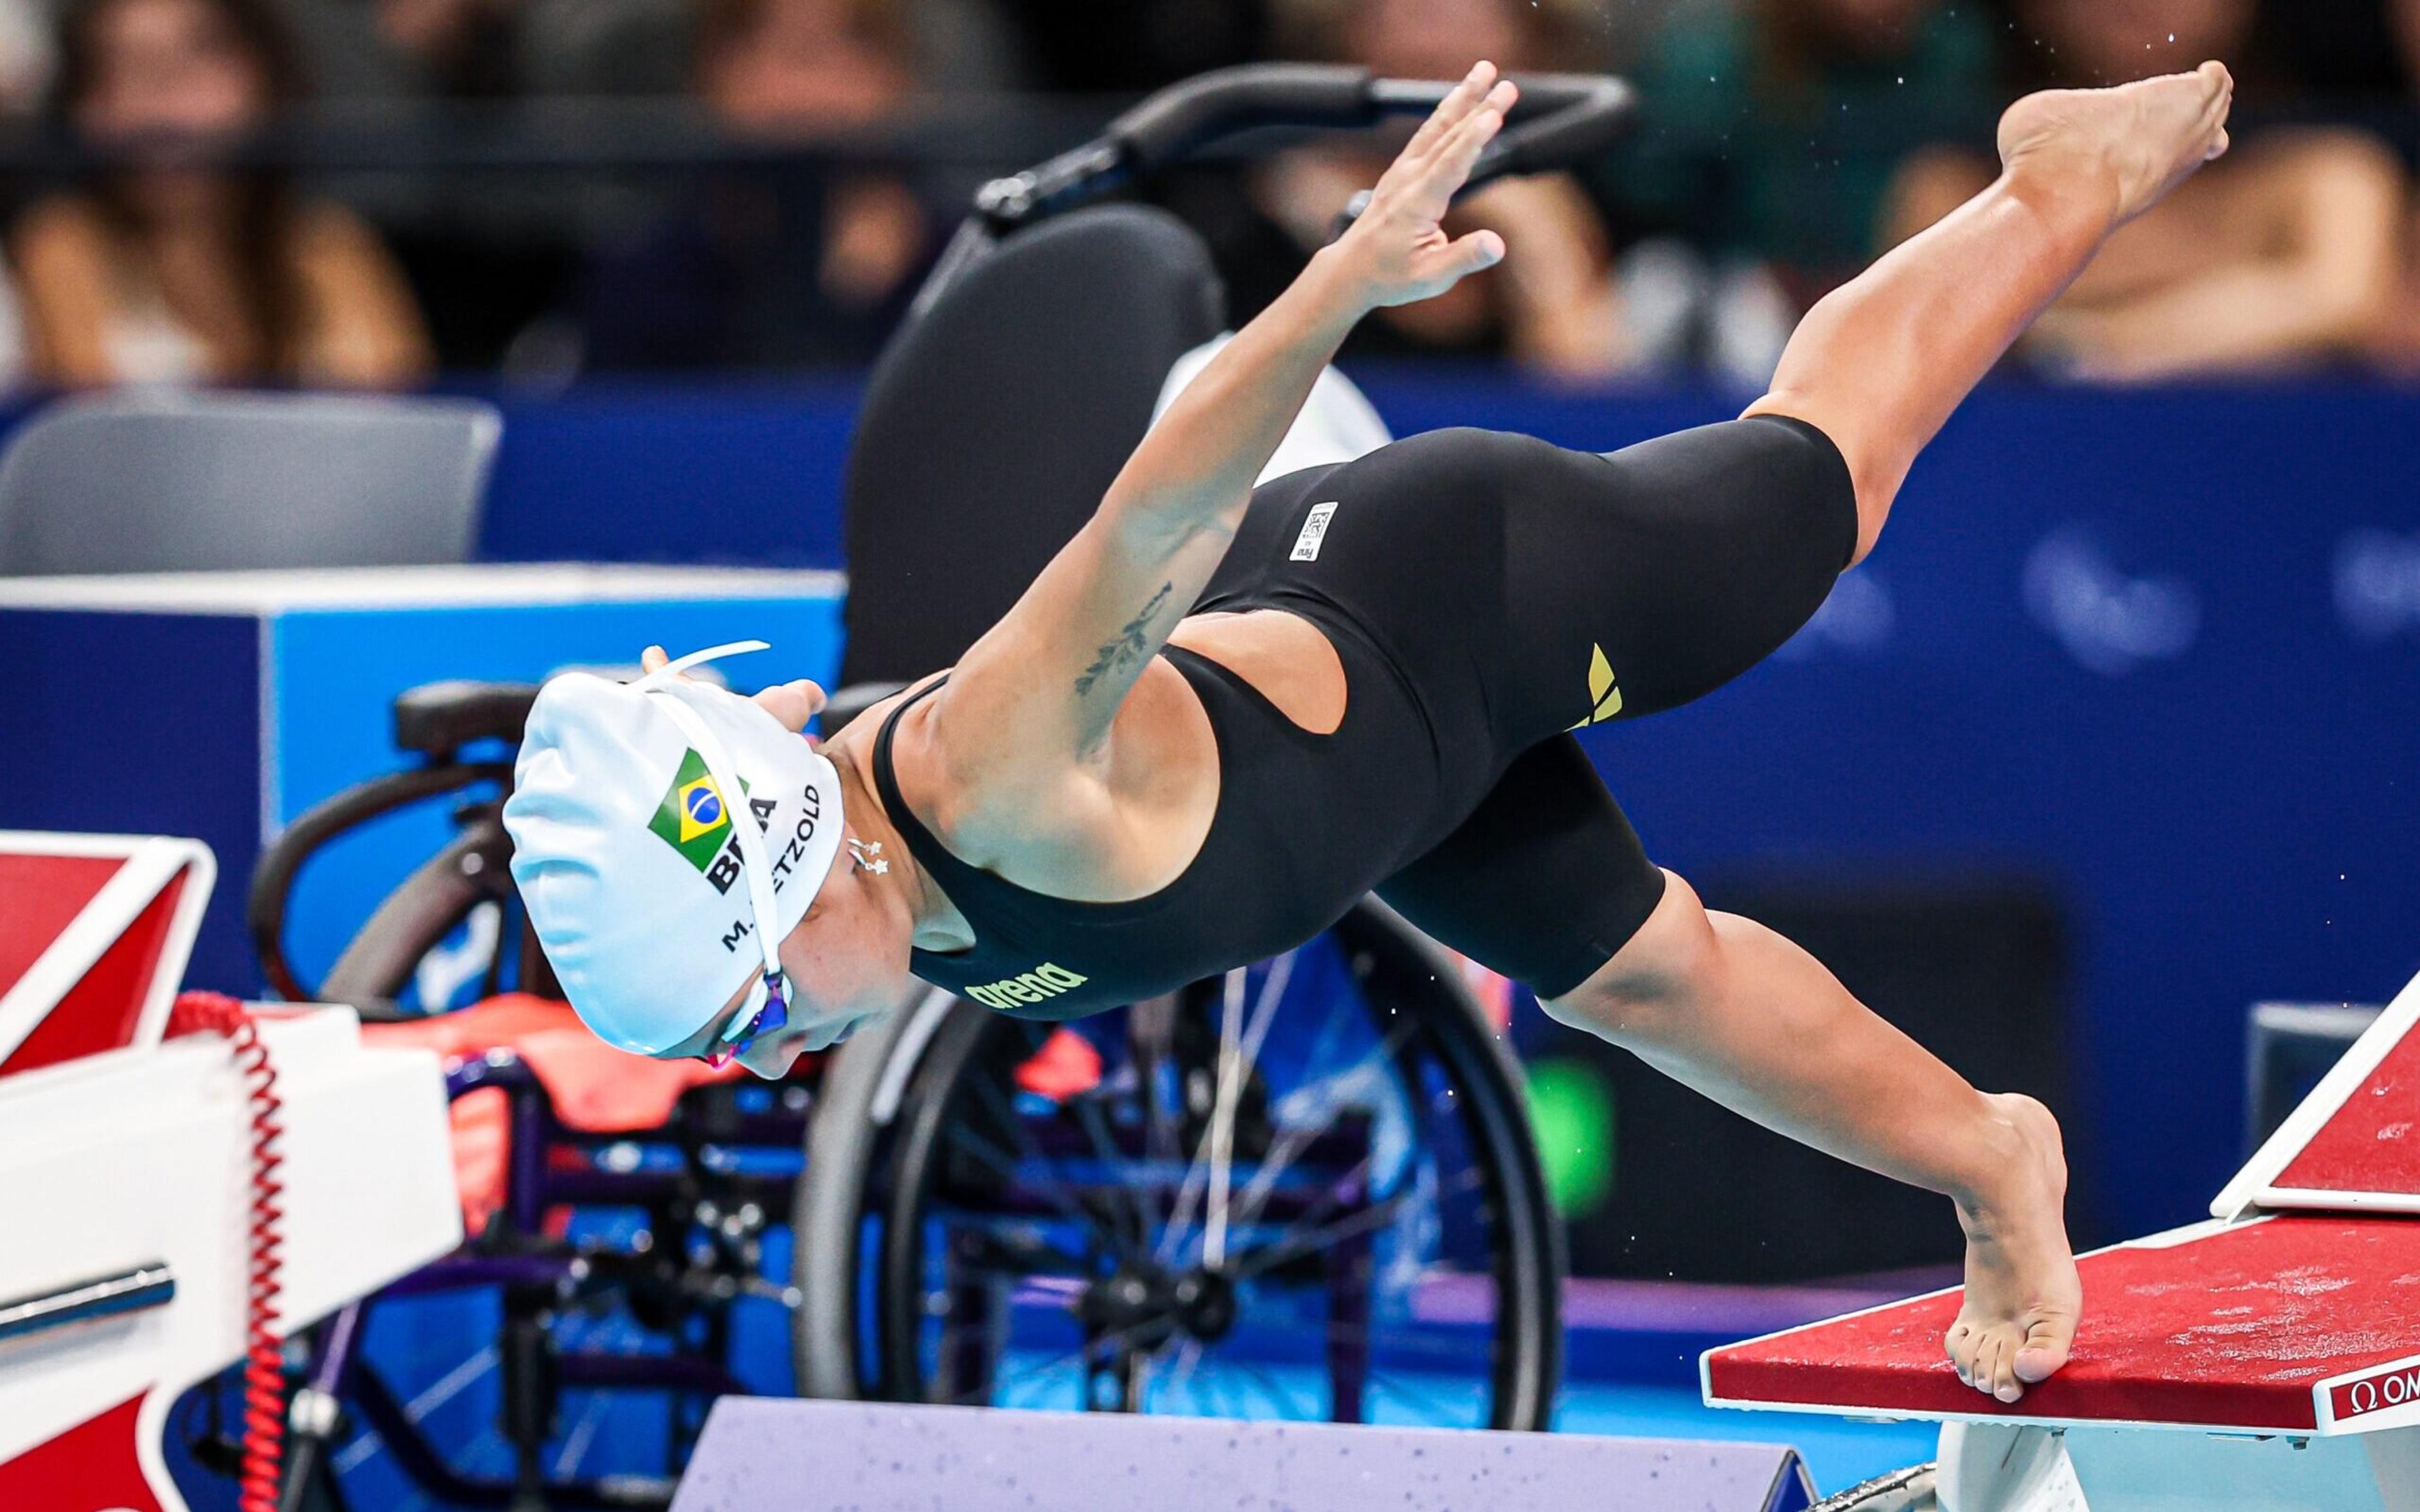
995,422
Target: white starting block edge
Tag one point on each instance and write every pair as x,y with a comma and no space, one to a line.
2255,1186
151,862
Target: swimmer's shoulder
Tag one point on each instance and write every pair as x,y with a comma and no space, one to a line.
1084,827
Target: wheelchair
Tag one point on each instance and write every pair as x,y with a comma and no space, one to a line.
1307,1189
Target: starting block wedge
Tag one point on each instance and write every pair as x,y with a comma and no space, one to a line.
759,1455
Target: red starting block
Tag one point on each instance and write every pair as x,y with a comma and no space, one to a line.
2268,1359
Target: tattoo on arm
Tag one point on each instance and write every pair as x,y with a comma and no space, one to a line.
1127,649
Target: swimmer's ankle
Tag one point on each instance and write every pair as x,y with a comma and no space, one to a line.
2070,193
2003,1171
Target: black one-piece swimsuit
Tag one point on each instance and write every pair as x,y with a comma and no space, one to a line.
1487,593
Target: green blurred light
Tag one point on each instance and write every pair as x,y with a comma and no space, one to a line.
1571,1107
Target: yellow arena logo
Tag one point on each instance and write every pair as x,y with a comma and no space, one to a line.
1042,983
1605,694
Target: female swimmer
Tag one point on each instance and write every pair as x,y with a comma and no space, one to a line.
1223,713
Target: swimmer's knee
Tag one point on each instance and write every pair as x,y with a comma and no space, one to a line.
1664,973
1876,465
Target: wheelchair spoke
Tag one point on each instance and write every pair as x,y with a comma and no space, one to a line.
1056,1258
1298,1137
583,1433
1188,1360
1088,1114
1219,1140
1291,1143
1376,1215
1104,1342
1270,1386
1070,1202
1237,1053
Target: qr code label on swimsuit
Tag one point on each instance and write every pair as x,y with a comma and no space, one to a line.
1315,530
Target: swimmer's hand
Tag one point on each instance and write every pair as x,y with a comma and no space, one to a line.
1398,252
794,704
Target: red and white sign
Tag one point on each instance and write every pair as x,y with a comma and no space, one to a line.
94,933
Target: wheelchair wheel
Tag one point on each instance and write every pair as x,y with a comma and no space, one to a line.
1307,1190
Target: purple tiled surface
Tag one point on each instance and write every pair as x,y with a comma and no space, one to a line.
760,1455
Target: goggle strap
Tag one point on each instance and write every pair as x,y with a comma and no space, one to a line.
654,681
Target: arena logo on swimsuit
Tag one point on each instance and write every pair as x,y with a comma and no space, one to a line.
1042,983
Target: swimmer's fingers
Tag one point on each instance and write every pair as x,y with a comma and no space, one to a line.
1473,253
793,703
1460,102
1399,251
1449,167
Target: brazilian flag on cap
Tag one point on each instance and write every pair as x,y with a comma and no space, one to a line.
694,819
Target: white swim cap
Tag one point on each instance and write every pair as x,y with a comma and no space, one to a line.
653,905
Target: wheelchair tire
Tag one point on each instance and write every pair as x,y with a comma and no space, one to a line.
384,956
898,1107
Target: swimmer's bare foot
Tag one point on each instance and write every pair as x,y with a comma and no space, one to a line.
2023,1293
2133,144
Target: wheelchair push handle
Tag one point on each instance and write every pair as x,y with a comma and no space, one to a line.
1173,124
1562,116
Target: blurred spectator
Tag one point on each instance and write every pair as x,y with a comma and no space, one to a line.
777,266
2357,62
465,46
489,50
1554,305
168,270
2281,255
2325,57
27,56
1131,46
1774,129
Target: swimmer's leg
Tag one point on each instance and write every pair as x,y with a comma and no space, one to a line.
1879,362
1729,1008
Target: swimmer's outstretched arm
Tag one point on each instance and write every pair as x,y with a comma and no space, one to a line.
1028,712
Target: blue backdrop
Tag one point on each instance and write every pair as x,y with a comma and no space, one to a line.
2161,650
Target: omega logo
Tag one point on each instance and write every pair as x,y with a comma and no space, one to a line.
2395,1390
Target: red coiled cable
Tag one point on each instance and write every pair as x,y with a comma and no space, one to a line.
264,1360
